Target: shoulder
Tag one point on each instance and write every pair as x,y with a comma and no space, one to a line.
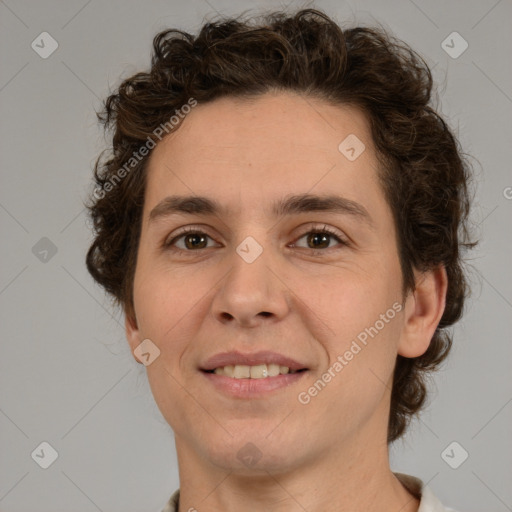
428,501
172,504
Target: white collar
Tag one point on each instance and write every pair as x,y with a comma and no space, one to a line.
428,501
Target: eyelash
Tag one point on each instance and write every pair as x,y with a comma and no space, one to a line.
169,245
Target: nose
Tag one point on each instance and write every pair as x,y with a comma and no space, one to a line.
251,292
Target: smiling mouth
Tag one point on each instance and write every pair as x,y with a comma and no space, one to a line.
260,371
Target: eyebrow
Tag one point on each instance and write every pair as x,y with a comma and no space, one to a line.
290,205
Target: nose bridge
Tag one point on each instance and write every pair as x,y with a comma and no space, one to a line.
251,290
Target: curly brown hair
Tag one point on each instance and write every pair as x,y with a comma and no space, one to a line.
424,174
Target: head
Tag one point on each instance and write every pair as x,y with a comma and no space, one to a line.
251,115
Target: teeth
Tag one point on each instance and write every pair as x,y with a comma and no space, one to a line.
242,371
260,371
273,370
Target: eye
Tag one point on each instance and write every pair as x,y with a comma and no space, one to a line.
192,238
320,239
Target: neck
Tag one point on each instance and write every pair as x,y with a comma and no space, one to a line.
355,476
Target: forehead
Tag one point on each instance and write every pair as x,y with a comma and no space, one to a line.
243,151
277,123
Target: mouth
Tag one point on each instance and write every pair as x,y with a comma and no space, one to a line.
252,375
260,371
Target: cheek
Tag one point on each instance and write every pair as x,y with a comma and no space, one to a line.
348,302
365,327
171,307
359,379
161,296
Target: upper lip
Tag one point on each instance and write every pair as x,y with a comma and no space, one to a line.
256,358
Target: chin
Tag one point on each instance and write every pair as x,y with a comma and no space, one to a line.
247,454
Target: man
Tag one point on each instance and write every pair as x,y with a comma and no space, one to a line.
282,218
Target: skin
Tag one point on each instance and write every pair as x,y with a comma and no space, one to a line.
332,453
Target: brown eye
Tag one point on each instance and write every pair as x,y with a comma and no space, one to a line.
190,239
194,241
319,240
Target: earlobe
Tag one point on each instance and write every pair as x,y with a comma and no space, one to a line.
132,332
424,308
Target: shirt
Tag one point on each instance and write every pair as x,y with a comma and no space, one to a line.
428,501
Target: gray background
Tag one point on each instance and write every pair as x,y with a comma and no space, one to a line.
66,374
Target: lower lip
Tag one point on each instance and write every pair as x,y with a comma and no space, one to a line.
252,388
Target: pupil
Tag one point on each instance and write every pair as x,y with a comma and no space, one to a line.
190,237
321,235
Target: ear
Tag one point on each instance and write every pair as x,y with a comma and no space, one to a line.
424,308
132,333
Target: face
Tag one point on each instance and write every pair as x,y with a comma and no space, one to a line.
312,289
